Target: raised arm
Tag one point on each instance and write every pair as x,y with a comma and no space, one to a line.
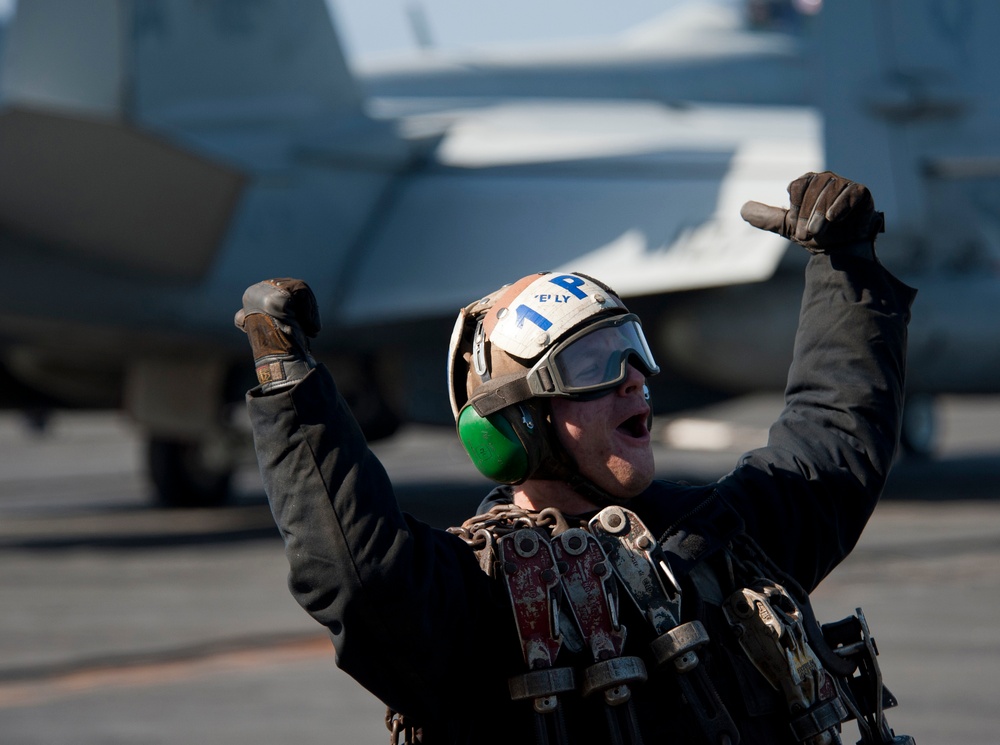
807,495
388,588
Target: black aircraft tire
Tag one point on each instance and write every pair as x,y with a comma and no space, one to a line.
918,435
180,477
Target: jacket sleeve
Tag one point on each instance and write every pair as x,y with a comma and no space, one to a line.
807,495
402,601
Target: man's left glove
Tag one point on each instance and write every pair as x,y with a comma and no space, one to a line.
279,316
827,214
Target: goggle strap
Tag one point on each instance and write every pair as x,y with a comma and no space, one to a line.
499,393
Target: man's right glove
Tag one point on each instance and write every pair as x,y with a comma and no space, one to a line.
278,316
827,214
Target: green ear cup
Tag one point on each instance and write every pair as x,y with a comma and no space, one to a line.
493,445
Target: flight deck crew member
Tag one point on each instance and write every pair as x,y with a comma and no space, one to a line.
588,602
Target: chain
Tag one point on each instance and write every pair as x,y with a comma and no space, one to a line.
401,732
502,519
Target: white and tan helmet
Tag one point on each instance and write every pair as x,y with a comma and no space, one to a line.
548,334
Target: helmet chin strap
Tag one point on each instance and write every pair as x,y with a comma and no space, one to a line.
555,470
593,493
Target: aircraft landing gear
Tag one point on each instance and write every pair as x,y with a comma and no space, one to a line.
920,426
183,476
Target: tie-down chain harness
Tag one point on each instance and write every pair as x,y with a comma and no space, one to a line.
560,580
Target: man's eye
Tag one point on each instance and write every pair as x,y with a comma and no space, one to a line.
589,371
589,374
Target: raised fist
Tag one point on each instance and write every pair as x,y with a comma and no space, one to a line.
278,317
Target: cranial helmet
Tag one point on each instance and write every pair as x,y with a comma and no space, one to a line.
545,335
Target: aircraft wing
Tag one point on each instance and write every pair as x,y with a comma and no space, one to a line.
707,51
644,196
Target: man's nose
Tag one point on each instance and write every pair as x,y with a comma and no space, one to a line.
634,380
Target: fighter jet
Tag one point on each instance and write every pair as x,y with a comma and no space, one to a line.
904,98
158,156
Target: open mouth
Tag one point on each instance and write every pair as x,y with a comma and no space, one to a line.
634,426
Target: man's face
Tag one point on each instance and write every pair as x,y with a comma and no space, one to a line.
608,438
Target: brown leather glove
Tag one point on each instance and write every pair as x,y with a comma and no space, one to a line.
278,317
828,214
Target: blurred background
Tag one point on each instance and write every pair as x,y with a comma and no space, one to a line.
157,156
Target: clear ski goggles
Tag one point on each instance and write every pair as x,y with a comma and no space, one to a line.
594,360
